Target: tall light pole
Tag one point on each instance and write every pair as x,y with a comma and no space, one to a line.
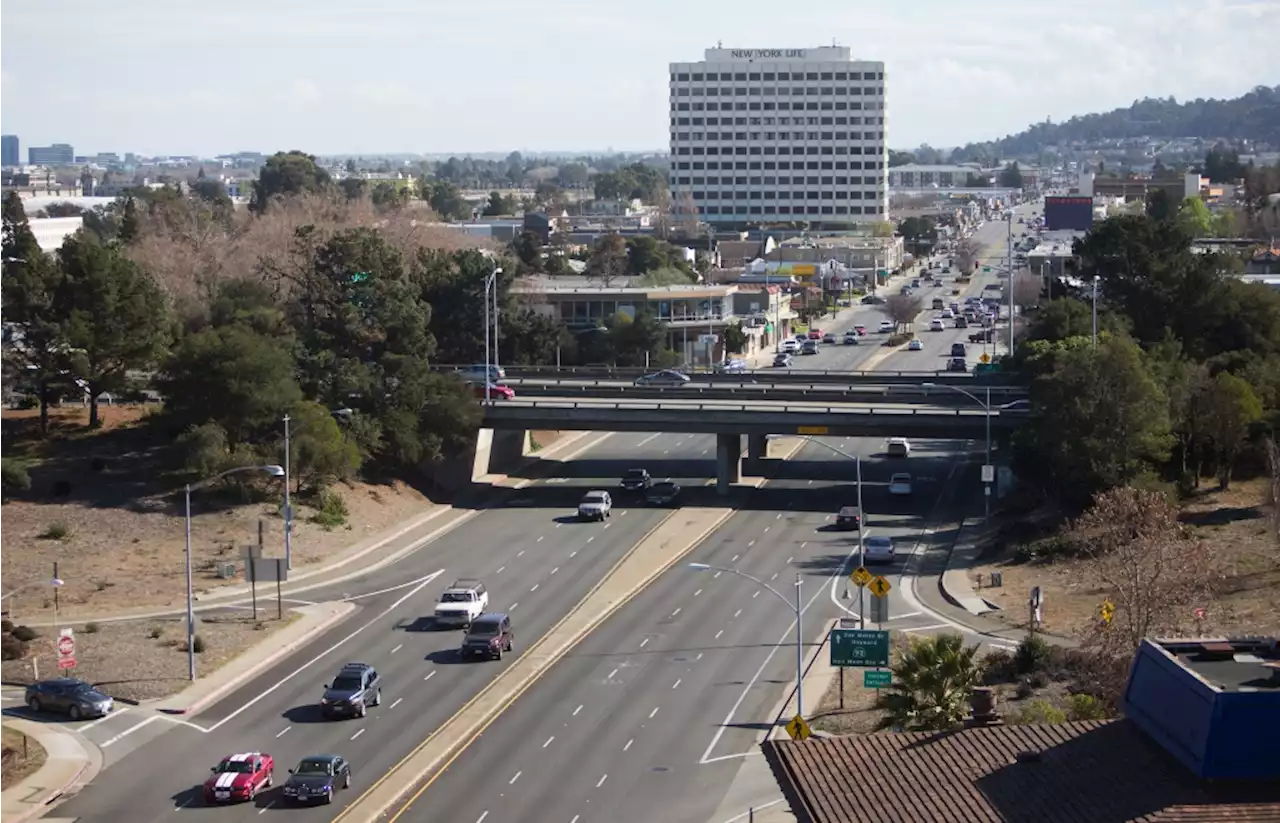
1009,268
986,494
288,509
490,304
271,469
1095,311
797,608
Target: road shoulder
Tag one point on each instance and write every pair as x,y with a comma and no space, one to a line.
70,763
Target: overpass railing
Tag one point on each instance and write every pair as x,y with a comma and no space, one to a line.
756,407
759,375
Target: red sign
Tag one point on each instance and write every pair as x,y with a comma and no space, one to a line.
66,662
66,645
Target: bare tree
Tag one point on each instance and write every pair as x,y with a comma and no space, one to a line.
687,214
1273,488
902,309
608,260
1027,290
662,219
966,255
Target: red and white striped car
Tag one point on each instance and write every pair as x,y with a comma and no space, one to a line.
239,777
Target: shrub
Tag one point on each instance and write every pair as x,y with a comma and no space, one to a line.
14,477
1086,707
12,648
6,625
25,633
91,628
332,511
1040,712
999,667
57,530
899,339
1032,652
197,645
156,632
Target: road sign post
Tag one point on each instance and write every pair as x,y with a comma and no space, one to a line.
66,645
859,647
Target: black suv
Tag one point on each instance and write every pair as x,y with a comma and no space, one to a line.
636,480
488,636
356,688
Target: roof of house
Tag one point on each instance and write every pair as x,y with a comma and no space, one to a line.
1087,772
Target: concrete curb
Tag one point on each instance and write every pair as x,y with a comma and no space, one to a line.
72,761
954,584
512,683
338,611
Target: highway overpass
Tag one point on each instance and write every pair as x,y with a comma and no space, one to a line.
507,423
768,375
861,393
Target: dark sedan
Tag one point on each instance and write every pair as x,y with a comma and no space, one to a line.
317,777
74,698
663,494
665,378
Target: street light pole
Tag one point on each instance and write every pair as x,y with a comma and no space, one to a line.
1095,311
288,509
986,407
490,304
271,469
1009,268
797,608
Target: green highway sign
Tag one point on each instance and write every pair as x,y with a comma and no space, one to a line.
859,647
877,679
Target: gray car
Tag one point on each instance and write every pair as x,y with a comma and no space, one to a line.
664,378
72,697
316,778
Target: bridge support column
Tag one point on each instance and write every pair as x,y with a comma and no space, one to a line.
728,462
759,450
506,449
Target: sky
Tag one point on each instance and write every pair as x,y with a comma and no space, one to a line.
448,76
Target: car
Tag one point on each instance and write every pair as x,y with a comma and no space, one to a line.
957,364
915,284
872,300
984,336
849,518
938,304
595,505
239,777
356,687
1017,406
735,366
860,329
666,377
790,346
886,326
782,359
316,778
480,373
636,480
489,635
829,338
936,324
461,603
900,484
947,314
75,698
877,549
898,447
815,334
494,391
662,494
962,322
850,339
809,347
915,345
958,350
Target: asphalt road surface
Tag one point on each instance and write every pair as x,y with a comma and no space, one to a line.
651,717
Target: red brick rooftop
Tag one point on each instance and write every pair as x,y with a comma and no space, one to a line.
1089,772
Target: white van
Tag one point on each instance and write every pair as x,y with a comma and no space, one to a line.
899,447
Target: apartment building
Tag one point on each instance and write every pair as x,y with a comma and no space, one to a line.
768,136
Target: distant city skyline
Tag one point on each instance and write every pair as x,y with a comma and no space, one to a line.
497,76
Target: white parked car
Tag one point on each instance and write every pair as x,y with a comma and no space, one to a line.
877,549
900,484
595,505
461,603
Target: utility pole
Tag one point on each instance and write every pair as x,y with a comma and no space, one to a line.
1009,264
288,509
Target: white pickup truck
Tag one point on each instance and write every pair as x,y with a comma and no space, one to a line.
461,603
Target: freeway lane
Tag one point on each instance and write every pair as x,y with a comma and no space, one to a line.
536,563
651,716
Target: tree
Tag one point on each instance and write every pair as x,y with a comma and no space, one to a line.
1027,291
920,233
664,208
287,174
966,255
882,228
1227,408
735,339
548,195
1195,218
446,200
353,188
687,215
1011,176
902,309
635,182
528,250
115,317
1160,206
350,165
1153,572
1061,318
129,226
498,205
609,260
932,682
319,452
573,175
637,341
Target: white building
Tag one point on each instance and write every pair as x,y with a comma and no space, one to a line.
780,136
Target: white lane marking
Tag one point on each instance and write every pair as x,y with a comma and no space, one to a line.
717,574
698,592
376,620
592,537
575,818
430,675
766,528
428,578
775,576
779,517
397,648
549,739
905,615
792,557
556,569
611,674
284,731
735,558
357,734
513,606
540,539
629,742
654,712
738,612
699,657
752,543
602,779
482,816
607,525
128,732
717,637
575,711
102,719
648,439
676,684
573,554
519,553
930,627
535,587
263,810
644,642
500,570
755,594
514,778
677,611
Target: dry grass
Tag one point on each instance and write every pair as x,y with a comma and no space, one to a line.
124,545
1232,525
21,757
146,659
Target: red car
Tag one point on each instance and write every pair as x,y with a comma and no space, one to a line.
495,391
815,334
239,777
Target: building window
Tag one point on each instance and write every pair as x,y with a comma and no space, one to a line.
712,76
840,75
754,77
697,78
813,75
740,76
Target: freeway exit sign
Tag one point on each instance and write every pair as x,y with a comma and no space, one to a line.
859,647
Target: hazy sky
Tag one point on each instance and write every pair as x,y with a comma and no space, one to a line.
177,77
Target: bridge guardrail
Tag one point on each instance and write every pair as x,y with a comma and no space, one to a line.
886,389
774,394
766,375
558,403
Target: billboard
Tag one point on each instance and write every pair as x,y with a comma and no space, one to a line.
1071,213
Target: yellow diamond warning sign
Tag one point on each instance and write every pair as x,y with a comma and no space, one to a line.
798,728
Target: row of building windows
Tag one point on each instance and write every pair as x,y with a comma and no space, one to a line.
841,194
730,136
780,165
769,105
729,212
779,91
777,121
783,150
781,181
577,312
770,76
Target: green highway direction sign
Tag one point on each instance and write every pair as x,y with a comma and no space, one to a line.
859,647
877,679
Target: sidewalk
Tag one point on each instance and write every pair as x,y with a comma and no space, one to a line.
71,762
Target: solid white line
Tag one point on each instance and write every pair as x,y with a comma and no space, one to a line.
629,742
284,731
676,684
357,734
428,579
87,726
376,620
575,711
514,778
602,779
128,732
655,711
611,674
648,439
397,648
928,628
549,739
397,703
482,816
430,675
905,615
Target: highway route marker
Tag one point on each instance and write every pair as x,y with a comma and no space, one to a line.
864,648
861,576
798,728
880,586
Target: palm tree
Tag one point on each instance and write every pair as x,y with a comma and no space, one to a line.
932,683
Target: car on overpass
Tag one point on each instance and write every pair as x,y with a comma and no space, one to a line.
667,378
636,480
662,494
782,359
495,391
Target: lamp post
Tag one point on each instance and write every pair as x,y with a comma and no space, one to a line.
796,607
1009,270
1095,311
490,305
271,469
986,495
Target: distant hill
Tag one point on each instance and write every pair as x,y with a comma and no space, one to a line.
1255,116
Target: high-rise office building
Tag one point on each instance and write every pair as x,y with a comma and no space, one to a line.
780,136
59,154
10,154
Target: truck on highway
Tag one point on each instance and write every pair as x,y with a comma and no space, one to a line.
461,603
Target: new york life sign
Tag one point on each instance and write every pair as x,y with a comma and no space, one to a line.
767,54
